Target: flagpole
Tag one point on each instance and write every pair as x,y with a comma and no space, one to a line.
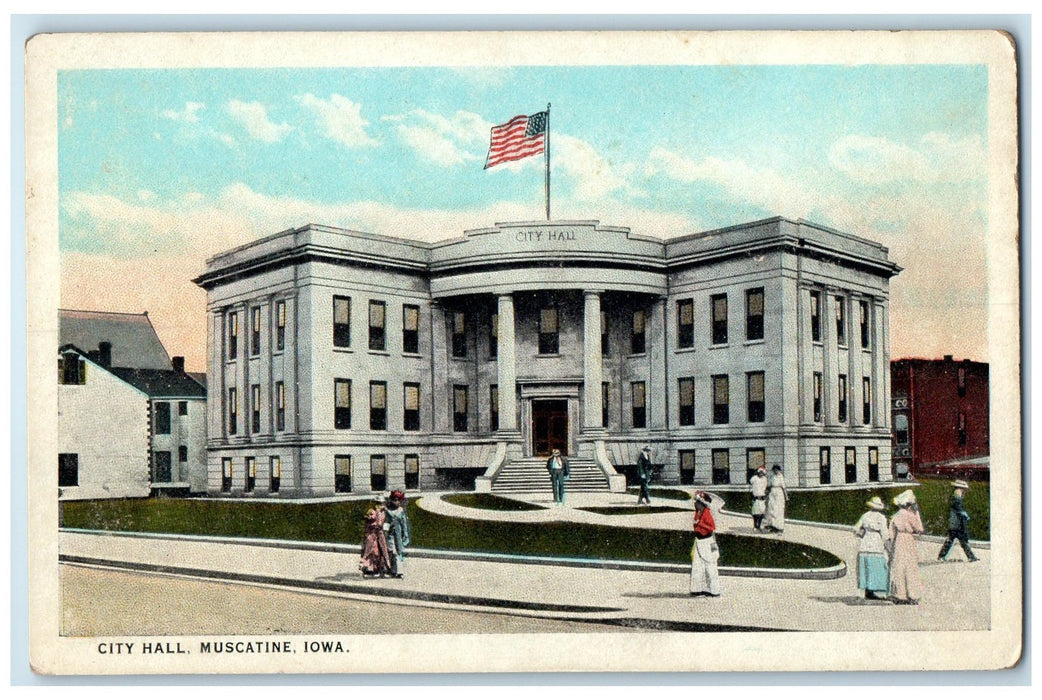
547,151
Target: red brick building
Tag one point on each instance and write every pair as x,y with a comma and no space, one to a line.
940,417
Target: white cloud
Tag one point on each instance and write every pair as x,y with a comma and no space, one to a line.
592,176
936,158
253,116
189,114
340,118
446,141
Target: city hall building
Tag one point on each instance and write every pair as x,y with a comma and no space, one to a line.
341,361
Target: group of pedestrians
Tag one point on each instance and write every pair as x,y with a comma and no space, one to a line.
386,537
769,499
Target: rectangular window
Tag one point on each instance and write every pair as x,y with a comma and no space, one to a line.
850,465
411,406
274,474
342,473
755,392
493,407
412,471
637,337
718,309
162,467
638,404
687,400
687,467
865,335
341,322
961,379
493,337
605,341
226,474
182,408
410,329
755,457
378,472
68,469
280,325
459,334
233,335
815,316
377,325
817,397
251,474
721,466
255,330
255,417
873,464
825,466
605,392
754,314
721,399
162,418
842,412
342,404
280,406
866,400
459,408
549,336
233,411
182,453
841,321
72,369
378,405
901,429
686,323
962,428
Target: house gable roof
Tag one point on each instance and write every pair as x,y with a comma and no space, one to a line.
161,383
133,338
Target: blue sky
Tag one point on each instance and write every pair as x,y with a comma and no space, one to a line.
159,169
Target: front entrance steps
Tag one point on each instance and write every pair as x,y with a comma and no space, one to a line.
529,475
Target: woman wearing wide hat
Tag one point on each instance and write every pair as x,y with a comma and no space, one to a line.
873,570
905,585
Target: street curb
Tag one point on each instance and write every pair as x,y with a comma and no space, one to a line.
822,574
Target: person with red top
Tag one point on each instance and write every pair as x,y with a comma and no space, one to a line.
705,577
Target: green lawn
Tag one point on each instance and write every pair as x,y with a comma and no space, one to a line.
487,501
845,507
342,522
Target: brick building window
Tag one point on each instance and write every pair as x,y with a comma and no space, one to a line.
721,399
686,323
901,429
377,325
459,409
754,314
341,322
962,428
755,394
411,406
718,311
638,344
410,329
961,380
342,404
721,466
378,405
549,331
638,403
687,400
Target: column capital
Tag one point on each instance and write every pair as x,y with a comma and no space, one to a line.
593,292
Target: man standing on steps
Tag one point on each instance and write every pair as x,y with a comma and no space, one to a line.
957,520
557,465
644,475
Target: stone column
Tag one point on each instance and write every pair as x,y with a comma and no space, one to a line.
506,366
592,362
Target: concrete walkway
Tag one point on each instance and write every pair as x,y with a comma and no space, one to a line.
956,595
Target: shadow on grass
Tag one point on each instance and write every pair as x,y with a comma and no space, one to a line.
632,510
487,501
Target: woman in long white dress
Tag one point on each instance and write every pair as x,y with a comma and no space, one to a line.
777,496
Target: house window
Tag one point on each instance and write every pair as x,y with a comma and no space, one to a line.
459,408
549,336
275,474
411,404
605,393
638,404
493,337
850,465
255,409
842,413
637,338
342,473
841,321
251,474
755,457
182,408
817,397
162,418
815,316
459,334
718,309
605,338
378,405
721,466
280,325
341,322
410,329
378,472
721,399
233,335
962,428
901,429
493,407
865,335
687,400
342,404
280,406
162,467
72,369
687,467
755,393
255,330
233,411
754,314
226,474
377,323
412,471
685,323
866,400
873,464
68,469
825,465
182,453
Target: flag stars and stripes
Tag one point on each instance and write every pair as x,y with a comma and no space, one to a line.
521,137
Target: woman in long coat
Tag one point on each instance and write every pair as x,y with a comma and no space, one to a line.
398,535
873,572
774,517
376,560
905,585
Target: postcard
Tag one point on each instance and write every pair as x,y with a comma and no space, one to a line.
523,352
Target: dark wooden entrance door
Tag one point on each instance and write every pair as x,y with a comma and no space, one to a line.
549,426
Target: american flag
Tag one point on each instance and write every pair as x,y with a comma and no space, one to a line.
519,138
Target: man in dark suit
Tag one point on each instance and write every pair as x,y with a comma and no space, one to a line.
557,465
957,520
644,469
